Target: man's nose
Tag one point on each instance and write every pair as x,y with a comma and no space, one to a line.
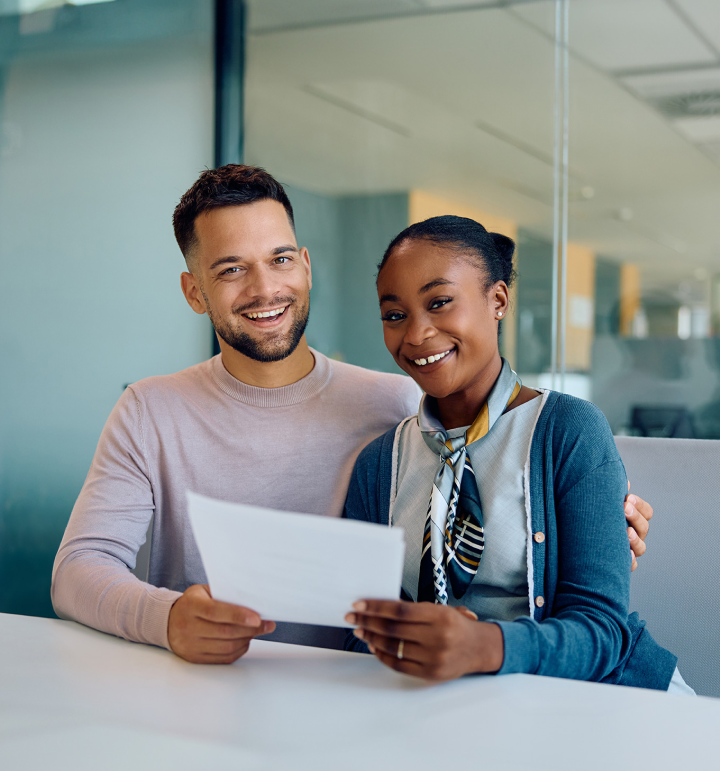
261,283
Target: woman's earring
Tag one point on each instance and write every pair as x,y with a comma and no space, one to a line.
500,313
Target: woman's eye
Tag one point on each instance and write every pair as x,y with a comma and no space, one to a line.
439,303
393,316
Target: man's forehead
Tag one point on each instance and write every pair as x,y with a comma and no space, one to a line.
261,225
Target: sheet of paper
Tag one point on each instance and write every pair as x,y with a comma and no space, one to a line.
294,567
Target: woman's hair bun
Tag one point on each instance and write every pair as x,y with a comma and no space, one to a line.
504,245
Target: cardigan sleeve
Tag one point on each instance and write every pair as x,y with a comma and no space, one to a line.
368,498
585,635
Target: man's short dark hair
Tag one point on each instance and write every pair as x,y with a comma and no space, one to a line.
230,185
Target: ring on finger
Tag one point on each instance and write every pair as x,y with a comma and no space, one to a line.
401,648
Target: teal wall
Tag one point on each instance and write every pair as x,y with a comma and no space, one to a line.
317,224
346,237
534,264
102,143
369,223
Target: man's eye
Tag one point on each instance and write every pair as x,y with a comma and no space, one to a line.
282,260
227,271
393,316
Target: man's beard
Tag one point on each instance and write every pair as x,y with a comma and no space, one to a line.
273,348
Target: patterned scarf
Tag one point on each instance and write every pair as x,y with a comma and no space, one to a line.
453,540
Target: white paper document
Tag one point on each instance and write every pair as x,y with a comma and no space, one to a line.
294,567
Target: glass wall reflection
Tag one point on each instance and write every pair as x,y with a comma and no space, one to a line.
377,115
378,122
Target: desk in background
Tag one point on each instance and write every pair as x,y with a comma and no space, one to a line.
74,698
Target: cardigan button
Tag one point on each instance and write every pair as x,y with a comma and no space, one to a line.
539,537
539,601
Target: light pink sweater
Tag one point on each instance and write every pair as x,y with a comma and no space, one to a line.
290,448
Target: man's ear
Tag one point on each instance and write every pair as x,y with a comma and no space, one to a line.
305,257
191,289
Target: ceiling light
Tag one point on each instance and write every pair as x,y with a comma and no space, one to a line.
32,6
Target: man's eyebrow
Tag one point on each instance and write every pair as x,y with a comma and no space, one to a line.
288,248
389,298
435,282
229,260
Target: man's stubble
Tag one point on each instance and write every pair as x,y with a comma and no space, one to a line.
274,347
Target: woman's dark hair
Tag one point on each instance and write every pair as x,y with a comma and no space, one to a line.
229,185
492,252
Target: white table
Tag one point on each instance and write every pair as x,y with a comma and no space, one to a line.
73,698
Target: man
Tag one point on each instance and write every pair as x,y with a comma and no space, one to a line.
267,422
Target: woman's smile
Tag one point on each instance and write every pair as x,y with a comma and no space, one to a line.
426,361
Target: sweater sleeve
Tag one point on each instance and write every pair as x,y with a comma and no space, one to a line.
92,582
586,635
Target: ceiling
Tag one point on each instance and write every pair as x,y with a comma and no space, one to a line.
457,98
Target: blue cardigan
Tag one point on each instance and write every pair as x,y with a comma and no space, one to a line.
581,569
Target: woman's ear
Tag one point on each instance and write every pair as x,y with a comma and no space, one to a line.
500,299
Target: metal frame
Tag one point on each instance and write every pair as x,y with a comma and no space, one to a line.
560,193
230,34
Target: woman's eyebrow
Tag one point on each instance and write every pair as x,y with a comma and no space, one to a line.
432,284
389,298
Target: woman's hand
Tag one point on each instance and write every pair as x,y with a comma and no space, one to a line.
435,642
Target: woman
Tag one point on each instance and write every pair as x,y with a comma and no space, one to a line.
511,499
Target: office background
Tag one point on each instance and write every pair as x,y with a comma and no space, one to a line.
374,113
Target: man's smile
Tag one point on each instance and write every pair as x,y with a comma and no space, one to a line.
266,318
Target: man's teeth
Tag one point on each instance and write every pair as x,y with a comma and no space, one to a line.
431,359
266,314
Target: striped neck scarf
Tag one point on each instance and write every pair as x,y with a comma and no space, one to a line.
453,539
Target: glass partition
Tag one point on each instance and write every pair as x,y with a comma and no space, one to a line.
377,115
380,114
644,267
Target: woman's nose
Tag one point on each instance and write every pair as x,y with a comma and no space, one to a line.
418,331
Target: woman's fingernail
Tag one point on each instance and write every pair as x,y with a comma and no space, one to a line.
351,618
632,499
360,605
629,509
359,634
632,535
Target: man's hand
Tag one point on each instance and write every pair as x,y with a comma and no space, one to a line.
435,642
638,514
205,631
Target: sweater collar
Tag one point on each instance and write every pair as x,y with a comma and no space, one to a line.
285,396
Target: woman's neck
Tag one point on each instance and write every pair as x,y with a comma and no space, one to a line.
461,408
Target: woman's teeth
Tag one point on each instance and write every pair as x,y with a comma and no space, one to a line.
266,314
431,359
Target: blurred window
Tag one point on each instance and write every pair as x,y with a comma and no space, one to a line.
378,114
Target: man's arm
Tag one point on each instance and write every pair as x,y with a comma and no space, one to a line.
92,582
638,514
